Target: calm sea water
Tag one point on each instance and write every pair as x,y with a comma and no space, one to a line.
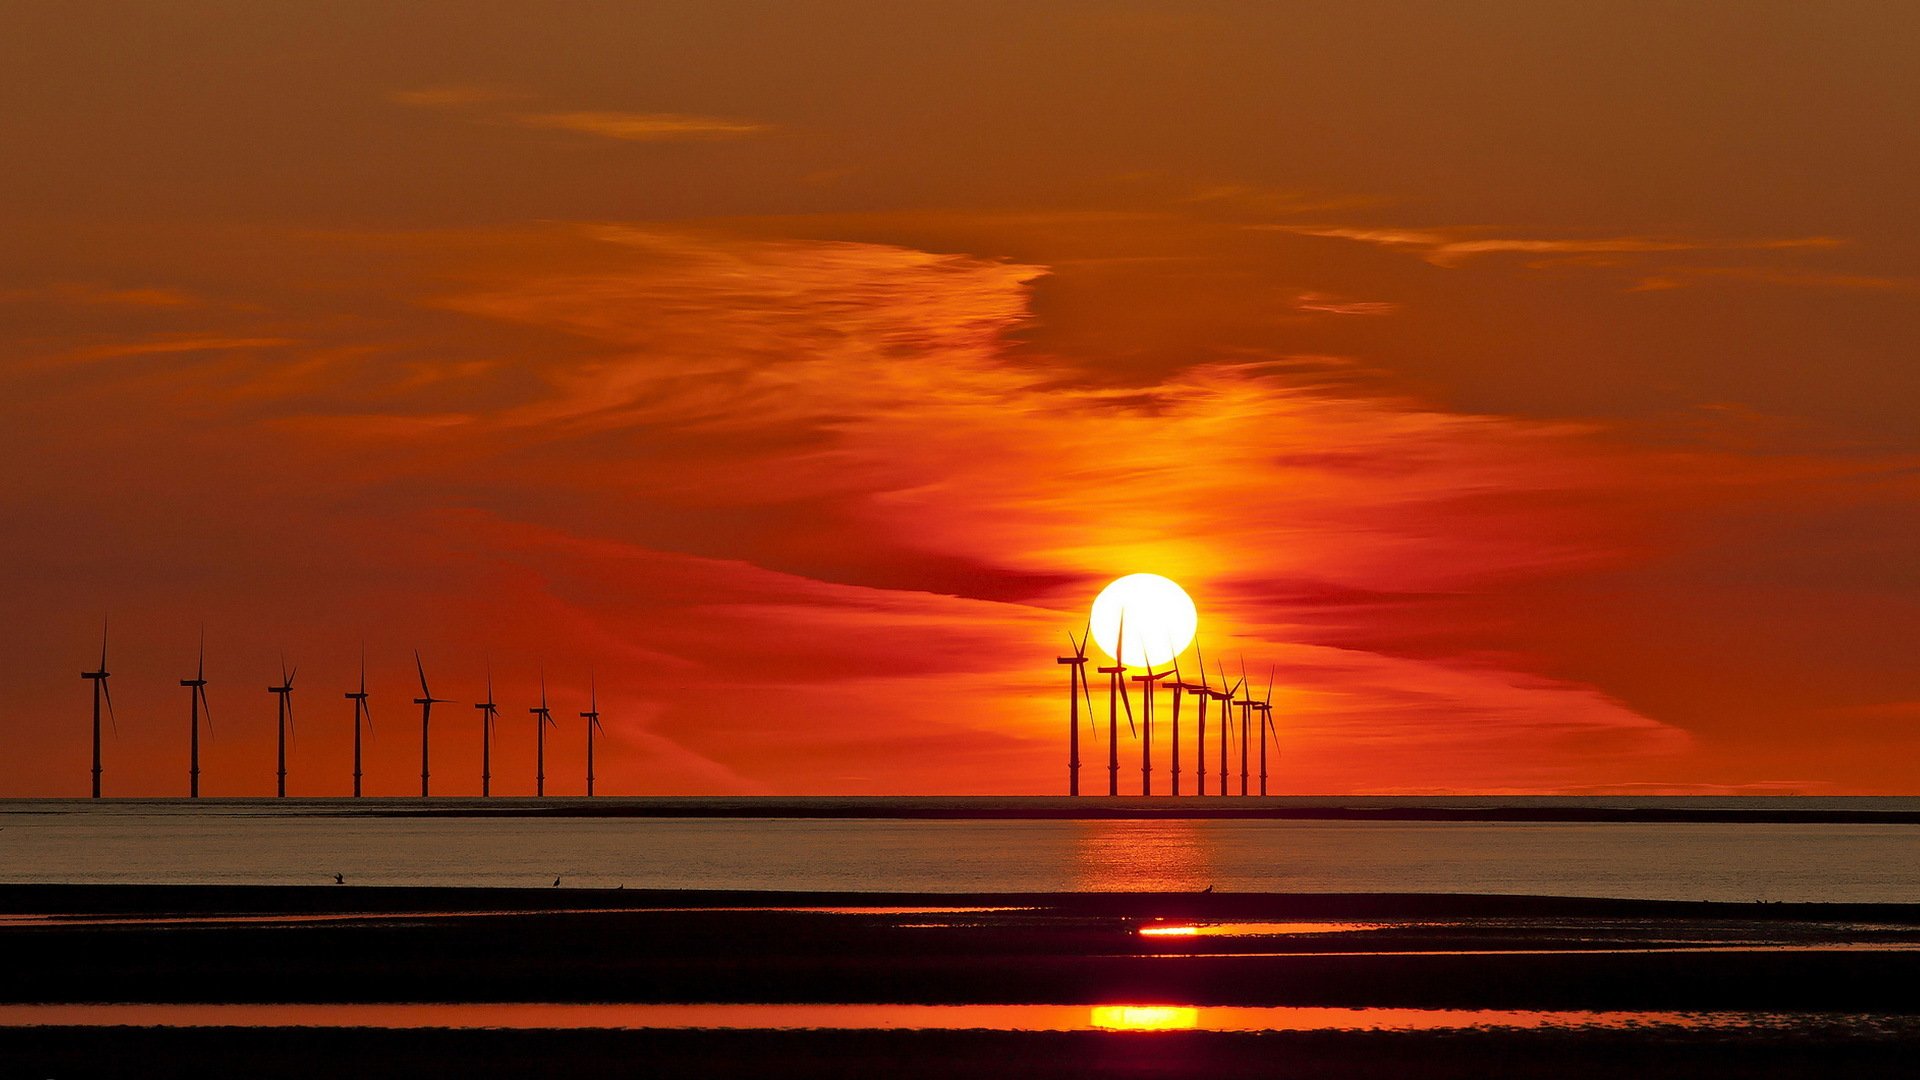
385,844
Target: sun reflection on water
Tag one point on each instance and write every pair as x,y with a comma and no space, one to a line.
1144,1018
1149,856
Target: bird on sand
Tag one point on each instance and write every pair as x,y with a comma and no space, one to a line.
339,879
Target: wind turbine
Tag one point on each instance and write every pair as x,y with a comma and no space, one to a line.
1076,687
543,718
1246,709
426,701
489,712
285,693
100,691
1203,692
1265,709
1180,687
1225,698
1116,696
1147,683
592,717
197,700
361,711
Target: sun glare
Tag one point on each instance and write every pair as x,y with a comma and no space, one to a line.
1160,619
1144,1017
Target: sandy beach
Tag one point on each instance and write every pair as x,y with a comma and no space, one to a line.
1841,982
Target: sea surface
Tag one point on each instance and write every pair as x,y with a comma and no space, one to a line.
1743,858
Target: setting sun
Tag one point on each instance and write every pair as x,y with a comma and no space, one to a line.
1160,619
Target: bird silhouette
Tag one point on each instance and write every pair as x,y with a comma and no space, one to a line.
1208,889
556,882
339,879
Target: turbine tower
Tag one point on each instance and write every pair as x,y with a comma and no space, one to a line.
1265,709
1225,698
285,693
1117,696
1246,710
100,691
1147,684
1076,687
1203,692
196,702
592,717
361,711
1179,686
489,712
543,718
426,701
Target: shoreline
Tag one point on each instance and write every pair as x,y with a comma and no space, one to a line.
1639,809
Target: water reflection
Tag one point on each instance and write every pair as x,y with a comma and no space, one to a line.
1144,1018
1257,929
1170,855
842,1017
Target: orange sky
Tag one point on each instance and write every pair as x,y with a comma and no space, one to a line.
1532,384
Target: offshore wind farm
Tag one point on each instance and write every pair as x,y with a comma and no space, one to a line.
1072,540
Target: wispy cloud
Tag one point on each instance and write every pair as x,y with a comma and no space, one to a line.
641,127
1680,277
1447,247
1328,304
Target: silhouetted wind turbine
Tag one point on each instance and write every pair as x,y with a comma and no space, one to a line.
1076,687
426,701
489,712
543,718
1180,687
1265,709
361,711
1203,692
285,693
1246,709
197,700
1116,696
592,717
1225,698
100,691
1147,684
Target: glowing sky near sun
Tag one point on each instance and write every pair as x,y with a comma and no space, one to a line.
1531,385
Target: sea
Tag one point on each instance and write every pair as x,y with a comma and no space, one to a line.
1746,850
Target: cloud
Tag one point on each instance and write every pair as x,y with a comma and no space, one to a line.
1328,304
641,127
1450,247
667,451
1680,277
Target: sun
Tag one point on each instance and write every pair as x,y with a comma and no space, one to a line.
1160,619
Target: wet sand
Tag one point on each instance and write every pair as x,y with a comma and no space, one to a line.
342,944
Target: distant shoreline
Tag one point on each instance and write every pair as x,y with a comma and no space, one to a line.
1888,810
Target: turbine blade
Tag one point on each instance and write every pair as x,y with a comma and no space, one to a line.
422,668
1273,732
103,643
1201,658
201,672
1269,699
1087,694
107,691
1120,642
206,710
363,666
1129,704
